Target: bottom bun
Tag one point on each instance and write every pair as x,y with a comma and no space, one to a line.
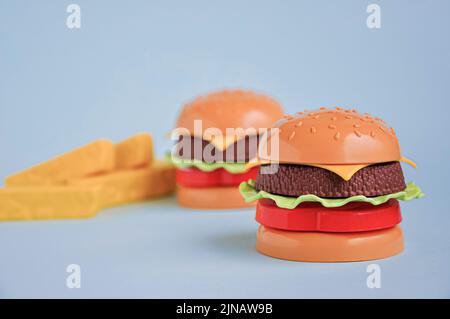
329,247
211,198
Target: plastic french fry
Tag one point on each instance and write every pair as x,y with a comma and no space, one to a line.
125,186
47,202
137,151
94,158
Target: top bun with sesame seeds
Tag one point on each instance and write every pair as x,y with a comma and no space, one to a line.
332,137
231,109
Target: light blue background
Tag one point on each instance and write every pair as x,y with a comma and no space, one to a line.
133,64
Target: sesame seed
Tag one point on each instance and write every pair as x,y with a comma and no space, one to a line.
313,130
357,133
372,133
292,135
331,126
339,108
322,108
356,125
337,136
334,118
300,123
348,117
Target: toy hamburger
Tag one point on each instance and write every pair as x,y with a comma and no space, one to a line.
335,194
210,156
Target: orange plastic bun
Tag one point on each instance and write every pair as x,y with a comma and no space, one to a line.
231,109
211,198
332,136
329,247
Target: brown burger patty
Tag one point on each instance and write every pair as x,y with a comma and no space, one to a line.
296,180
242,151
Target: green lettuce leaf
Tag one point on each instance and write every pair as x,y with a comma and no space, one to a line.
233,168
250,194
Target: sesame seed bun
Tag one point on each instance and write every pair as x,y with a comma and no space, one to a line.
333,136
231,109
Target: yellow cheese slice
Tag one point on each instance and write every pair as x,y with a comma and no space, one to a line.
346,171
47,202
255,163
223,142
219,142
135,151
132,185
408,161
93,158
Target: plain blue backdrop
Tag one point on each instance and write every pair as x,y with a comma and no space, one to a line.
130,68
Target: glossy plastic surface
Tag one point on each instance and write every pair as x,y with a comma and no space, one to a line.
230,109
310,216
192,177
333,136
211,198
329,247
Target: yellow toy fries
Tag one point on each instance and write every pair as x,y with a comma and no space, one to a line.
125,186
79,183
94,158
47,202
137,151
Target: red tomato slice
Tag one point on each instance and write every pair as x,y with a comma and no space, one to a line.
192,177
311,216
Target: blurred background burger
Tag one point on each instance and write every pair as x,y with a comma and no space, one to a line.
210,167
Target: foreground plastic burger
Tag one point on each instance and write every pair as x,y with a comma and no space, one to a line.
213,182
335,194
